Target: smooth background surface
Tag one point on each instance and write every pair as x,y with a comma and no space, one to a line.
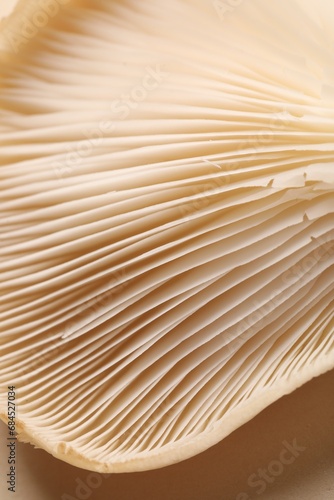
221,473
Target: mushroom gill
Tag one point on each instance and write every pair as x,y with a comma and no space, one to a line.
167,220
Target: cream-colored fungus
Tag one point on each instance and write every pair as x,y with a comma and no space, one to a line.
167,220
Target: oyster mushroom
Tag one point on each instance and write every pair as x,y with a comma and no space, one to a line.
167,222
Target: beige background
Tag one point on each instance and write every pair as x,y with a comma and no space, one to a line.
221,473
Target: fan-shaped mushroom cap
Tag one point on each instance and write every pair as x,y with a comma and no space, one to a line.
167,221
